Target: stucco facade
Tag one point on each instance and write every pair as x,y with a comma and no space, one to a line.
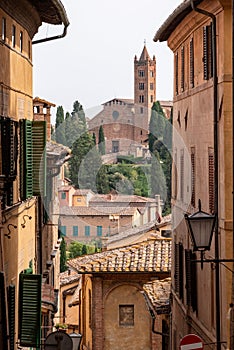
189,35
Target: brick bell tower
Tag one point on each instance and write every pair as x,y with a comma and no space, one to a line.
144,83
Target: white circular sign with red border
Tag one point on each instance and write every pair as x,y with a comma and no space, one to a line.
191,342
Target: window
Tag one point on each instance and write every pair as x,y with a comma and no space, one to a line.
182,68
29,49
151,73
182,175
141,98
151,86
193,169
115,146
191,59
207,52
3,323
30,310
151,98
99,231
141,86
63,230
63,195
32,158
142,110
4,29
191,279
75,231
141,73
21,41
211,179
176,74
87,231
11,315
126,315
179,269
13,35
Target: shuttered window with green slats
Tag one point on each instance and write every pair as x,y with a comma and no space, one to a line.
26,184
39,157
30,310
3,325
9,145
11,315
32,158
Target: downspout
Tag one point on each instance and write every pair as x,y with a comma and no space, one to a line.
52,37
216,196
232,295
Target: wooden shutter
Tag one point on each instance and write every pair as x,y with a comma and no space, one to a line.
30,310
191,60
179,270
176,73
182,68
9,145
193,169
191,279
3,318
207,52
39,157
182,175
211,179
26,159
11,315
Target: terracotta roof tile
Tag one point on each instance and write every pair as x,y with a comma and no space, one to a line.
158,293
149,256
68,277
98,211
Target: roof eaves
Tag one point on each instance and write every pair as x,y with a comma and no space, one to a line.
173,20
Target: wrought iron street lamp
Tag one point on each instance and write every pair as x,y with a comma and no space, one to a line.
76,340
201,227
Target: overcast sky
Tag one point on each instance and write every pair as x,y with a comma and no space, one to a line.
94,62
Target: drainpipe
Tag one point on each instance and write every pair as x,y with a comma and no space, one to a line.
232,295
52,37
216,198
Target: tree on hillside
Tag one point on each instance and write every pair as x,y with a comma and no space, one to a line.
101,141
75,124
60,126
158,181
156,125
94,138
86,165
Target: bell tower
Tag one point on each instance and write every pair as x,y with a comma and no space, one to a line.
144,81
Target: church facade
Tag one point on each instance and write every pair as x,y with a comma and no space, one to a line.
125,121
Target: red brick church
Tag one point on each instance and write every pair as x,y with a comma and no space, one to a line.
125,121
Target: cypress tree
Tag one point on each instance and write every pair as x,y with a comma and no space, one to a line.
60,126
101,141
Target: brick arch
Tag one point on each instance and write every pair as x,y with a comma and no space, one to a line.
126,318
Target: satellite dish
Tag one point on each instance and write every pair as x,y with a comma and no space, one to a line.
58,341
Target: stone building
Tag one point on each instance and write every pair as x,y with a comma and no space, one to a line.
120,305
23,260
125,121
86,216
202,154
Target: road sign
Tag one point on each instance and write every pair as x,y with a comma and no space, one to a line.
191,342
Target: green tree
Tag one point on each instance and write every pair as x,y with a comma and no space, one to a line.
75,124
158,181
60,126
84,250
156,125
101,141
75,249
63,256
94,138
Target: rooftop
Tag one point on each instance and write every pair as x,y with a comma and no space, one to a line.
153,255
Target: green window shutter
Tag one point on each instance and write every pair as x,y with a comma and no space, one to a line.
39,157
9,144
30,310
26,160
11,315
3,325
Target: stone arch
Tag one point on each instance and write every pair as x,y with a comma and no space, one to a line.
126,319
